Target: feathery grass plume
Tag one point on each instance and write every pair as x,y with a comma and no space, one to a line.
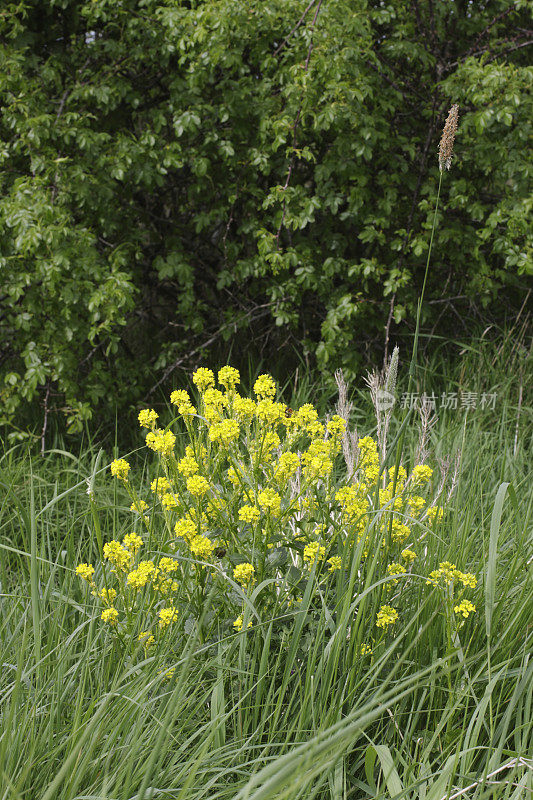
382,385
392,371
455,474
427,421
448,138
344,408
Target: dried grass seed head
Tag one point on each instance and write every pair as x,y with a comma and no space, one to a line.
448,138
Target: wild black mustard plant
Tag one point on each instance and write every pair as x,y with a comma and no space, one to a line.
257,506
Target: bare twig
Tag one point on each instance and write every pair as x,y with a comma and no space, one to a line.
265,308
284,42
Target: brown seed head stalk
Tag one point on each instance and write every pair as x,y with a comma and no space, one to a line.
448,137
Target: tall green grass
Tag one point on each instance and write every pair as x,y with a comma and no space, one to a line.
264,715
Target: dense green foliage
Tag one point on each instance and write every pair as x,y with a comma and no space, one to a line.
286,710
179,173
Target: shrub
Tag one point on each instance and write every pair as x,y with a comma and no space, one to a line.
184,173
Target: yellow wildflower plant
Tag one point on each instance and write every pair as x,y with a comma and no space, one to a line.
197,485
254,493
169,501
335,562
146,638
201,547
107,595
421,473
188,465
160,485
313,551
139,506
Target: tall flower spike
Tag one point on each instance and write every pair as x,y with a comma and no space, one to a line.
448,138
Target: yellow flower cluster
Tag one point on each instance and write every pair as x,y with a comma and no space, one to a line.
201,547
229,377
169,501
313,551
286,466
185,528
369,460
387,615
167,616
224,432
433,513
132,542
336,426
448,573
422,473
147,638
203,378
239,623
197,485
465,608
182,401
139,577
270,502
107,595
85,571
335,562
117,555
395,569
244,407
249,514
147,417
120,468
161,441
265,386
160,485
188,465
109,615
244,574
139,506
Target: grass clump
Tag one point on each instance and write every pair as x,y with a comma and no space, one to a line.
314,699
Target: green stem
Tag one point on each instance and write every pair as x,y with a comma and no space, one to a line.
412,366
421,298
